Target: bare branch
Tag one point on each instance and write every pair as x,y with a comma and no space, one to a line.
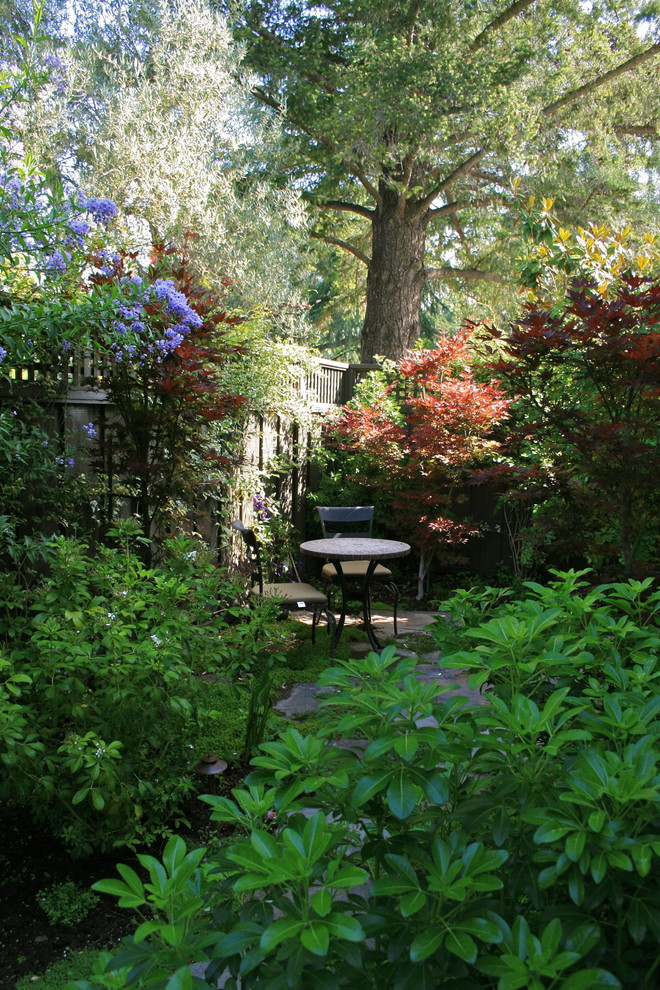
365,182
466,274
337,204
637,130
408,165
461,169
459,229
474,204
412,18
516,8
590,87
345,246
492,177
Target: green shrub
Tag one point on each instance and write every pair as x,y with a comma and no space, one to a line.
99,684
65,903
509,844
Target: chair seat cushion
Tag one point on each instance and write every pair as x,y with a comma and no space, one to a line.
291,595
356,569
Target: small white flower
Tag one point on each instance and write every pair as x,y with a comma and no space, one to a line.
191,556
156,641
111,616
99,753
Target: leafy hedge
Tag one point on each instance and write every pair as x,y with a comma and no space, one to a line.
512,844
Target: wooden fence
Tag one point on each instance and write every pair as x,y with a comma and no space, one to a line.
331,383
76,398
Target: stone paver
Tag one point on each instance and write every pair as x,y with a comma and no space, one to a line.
304,698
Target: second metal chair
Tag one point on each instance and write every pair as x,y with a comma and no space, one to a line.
354,521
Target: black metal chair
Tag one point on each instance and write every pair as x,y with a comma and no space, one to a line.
294,596
354,521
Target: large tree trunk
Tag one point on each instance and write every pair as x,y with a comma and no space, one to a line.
395,279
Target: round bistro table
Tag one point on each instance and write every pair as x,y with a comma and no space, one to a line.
339,548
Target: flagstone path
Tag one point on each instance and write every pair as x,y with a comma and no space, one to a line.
304,697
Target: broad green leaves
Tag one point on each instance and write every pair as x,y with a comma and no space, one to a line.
511,844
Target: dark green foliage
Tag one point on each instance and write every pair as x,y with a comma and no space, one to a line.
512,844
40,488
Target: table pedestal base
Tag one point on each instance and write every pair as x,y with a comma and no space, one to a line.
366,606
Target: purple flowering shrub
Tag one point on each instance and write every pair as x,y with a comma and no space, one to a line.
153,318
46,238
162,332
165,334
48,230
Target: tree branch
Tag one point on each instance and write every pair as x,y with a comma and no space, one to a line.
461,169
575,94
516,8
364,182
408,165
337,204
261,94
492,177
345,246
454,205
285,50
413,11
637,130
467,274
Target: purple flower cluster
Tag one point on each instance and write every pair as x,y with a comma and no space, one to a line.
132,321
102,210
79,231
57,262
12,191
175,303
53,62
109,261
261,508
67,462
3,353
90,430
58,73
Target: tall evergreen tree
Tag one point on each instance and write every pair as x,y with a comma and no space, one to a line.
415,116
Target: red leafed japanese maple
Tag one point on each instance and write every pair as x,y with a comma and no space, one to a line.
586,379
430,422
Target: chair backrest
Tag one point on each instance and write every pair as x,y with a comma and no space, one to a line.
250,538
346,520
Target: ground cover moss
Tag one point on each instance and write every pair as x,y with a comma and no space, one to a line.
76,967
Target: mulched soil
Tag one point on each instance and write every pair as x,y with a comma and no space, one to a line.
31,860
